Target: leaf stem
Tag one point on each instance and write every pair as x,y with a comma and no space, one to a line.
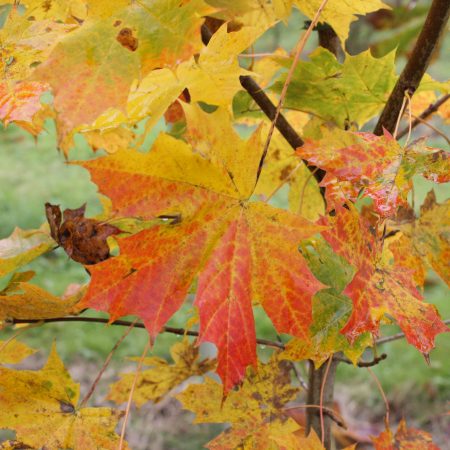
300,46
417,64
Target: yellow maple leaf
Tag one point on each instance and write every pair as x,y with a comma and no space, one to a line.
41,407
13,351
154,383
339,14
255,410
22,247
23,300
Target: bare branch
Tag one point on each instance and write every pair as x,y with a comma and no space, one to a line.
183,332
423,115
417,64
376,360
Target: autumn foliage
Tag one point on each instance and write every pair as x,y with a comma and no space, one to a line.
195,217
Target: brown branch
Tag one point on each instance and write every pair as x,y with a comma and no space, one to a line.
320,393
376,360
396,337
417,64
424,114
329,39
126,323
182,331
269,109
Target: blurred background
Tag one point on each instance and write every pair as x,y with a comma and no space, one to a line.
33,172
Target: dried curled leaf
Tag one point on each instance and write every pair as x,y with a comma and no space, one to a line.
84,240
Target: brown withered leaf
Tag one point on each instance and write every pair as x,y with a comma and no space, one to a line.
83,239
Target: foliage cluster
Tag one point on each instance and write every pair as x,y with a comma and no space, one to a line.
198,213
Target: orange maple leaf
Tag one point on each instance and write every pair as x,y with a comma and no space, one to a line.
243,251
379,286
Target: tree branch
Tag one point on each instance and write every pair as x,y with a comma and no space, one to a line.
183,332
424,114
321,389
417,64
376,360
269,109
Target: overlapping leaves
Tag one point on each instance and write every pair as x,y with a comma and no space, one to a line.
379,286
214,231
376,166
255,411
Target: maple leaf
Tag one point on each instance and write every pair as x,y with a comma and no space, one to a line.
339,15
331,309
65,11
404,439
23,300
424,241
351,92
154,383
255,410
14,351
378,165
83,239
214,76
379,286
22,247
20,103
92,68
34,402
26,43
281,166
215,232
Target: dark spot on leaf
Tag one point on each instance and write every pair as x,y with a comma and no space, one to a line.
66,408
257,396
46,5
127,40
117,23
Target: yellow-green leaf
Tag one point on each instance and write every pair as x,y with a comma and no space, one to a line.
22,247
41,407
154,383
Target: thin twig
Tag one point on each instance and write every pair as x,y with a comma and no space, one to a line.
376,360
417,64
178,331
423,115
333,415
300,47
126,323
380,388
130,397
106,363
396,337
269,109
439,132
